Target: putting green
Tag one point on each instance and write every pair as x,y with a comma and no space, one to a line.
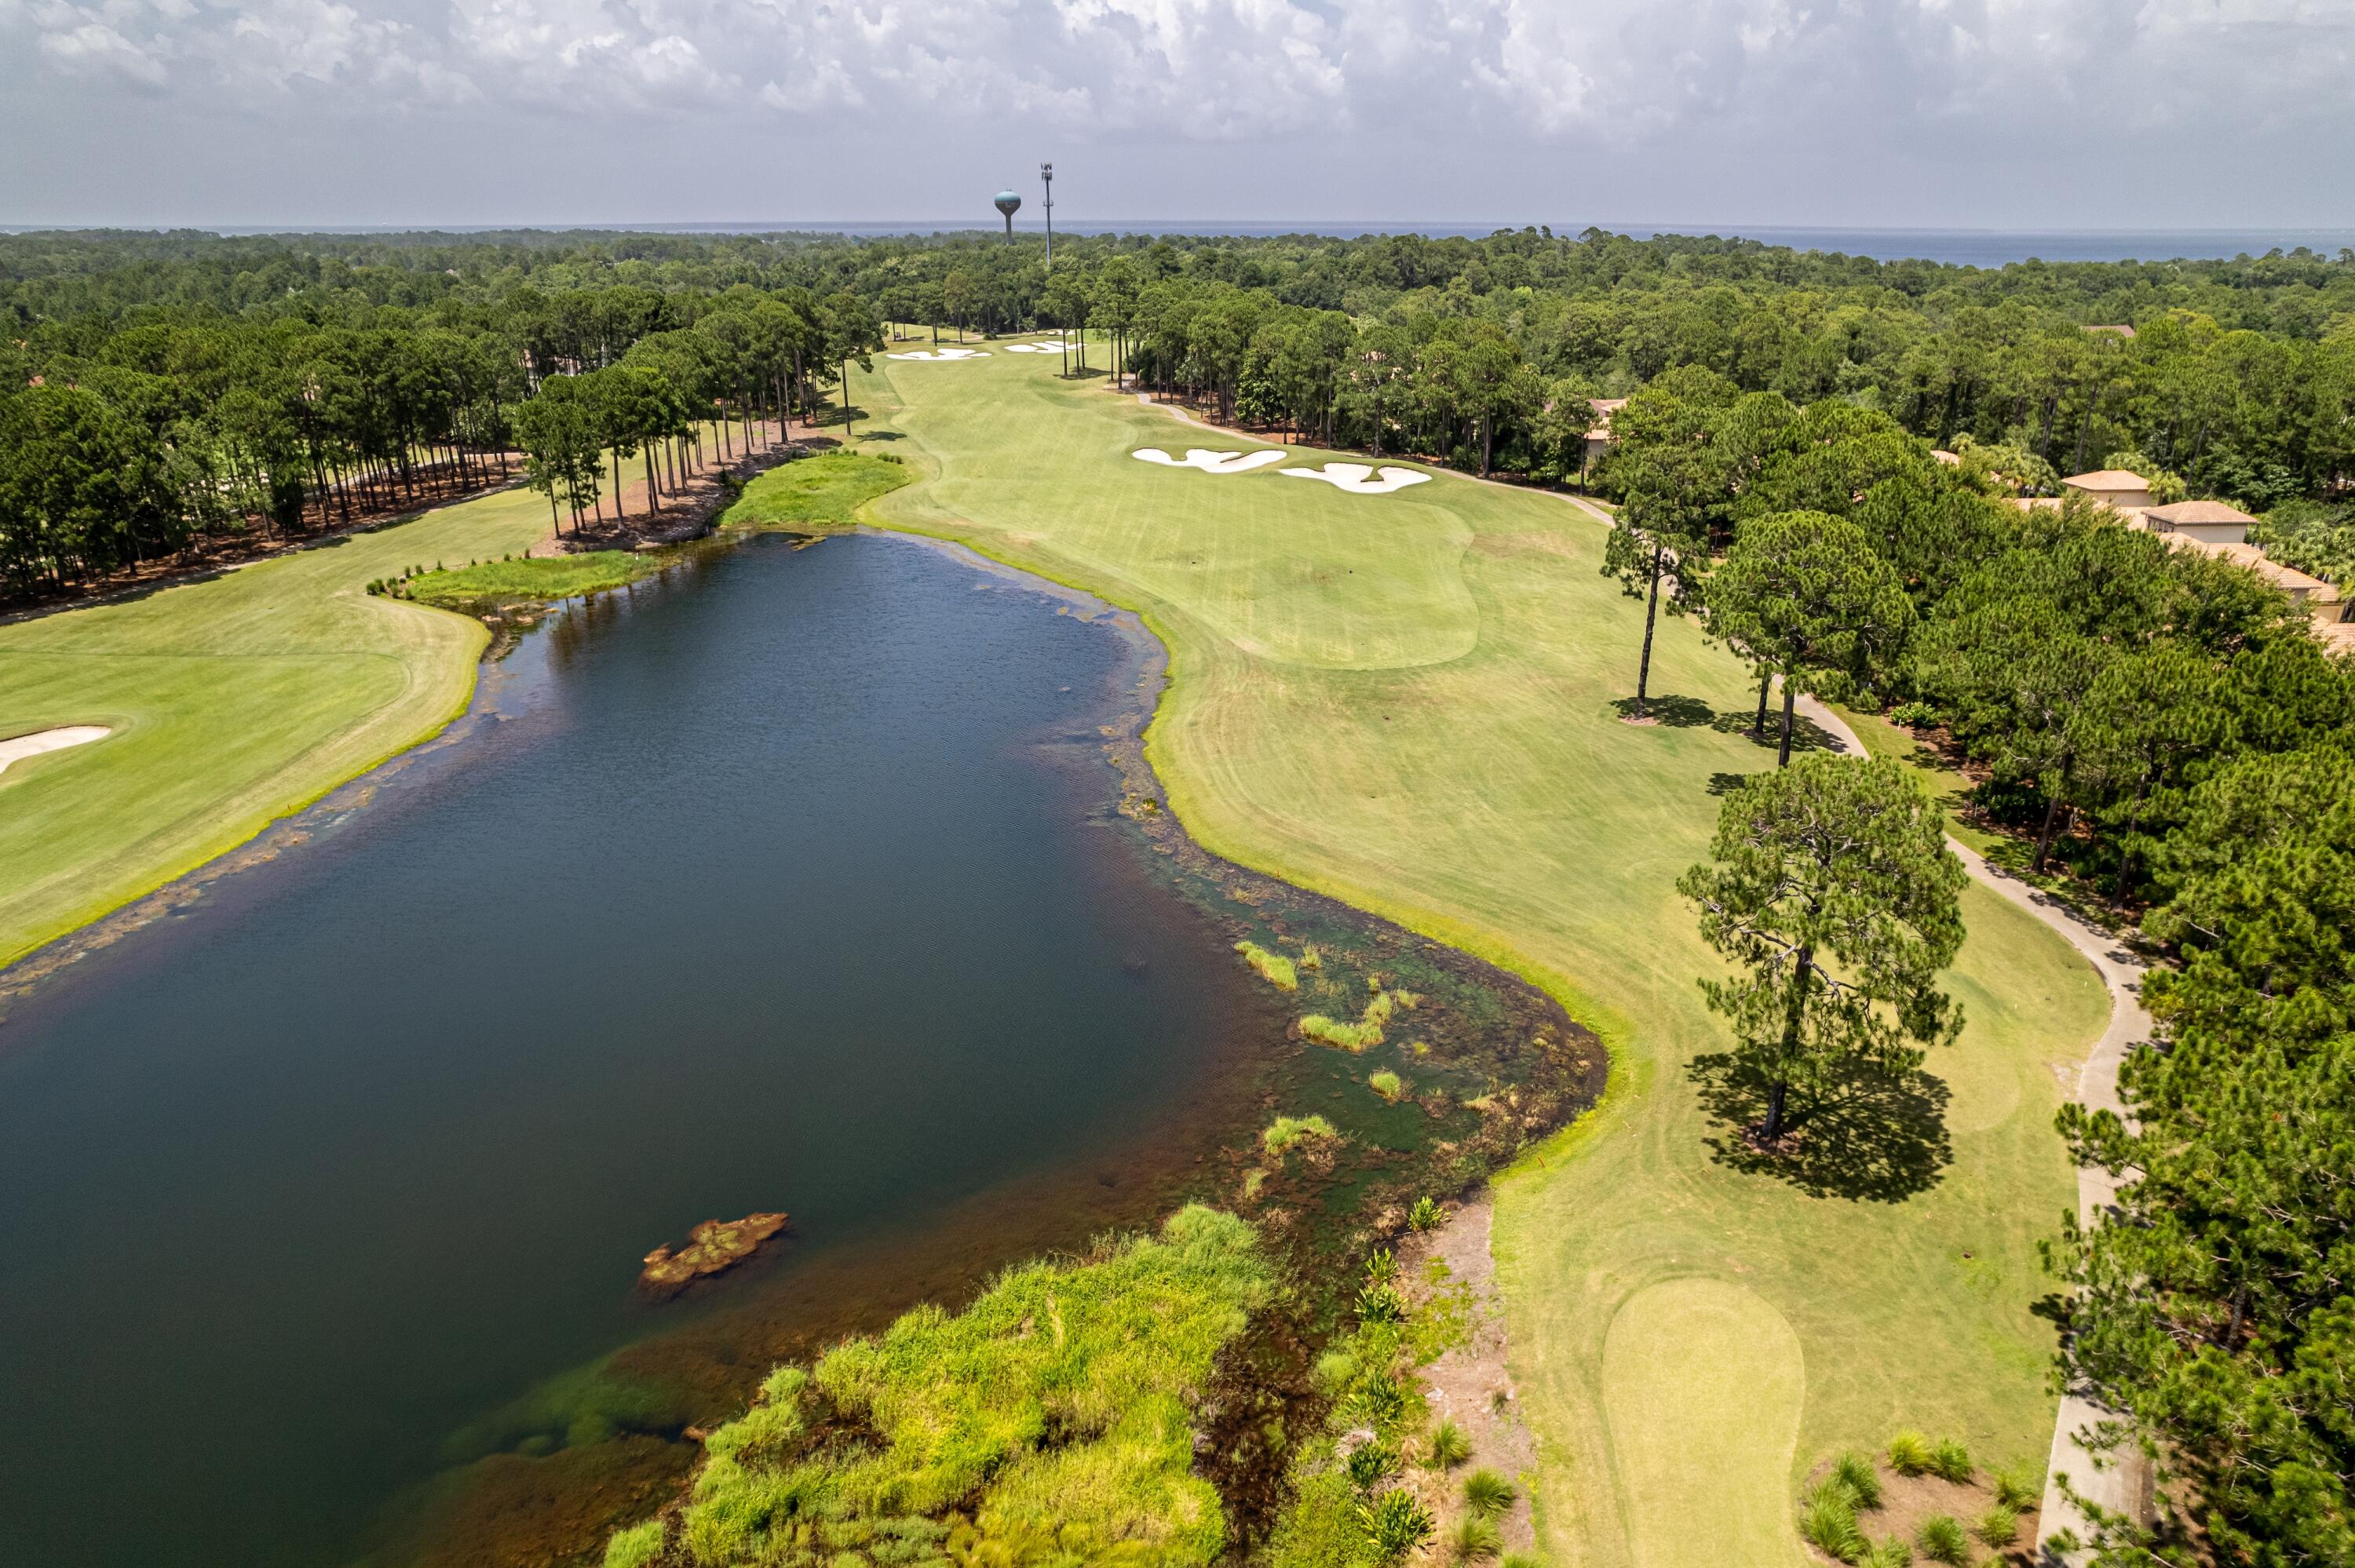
1702,1381
1407,701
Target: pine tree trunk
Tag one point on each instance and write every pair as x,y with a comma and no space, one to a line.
1758,725
1651,614
1790,700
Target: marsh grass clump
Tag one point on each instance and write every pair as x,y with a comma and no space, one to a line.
1941,1539
1286,1131
1891,1552
1909,1453
1854,1473
1486,1493
634,1547
1270,966
1474,1538
1998,1527
1950,1461
1387,1085
1827,1520
1348,1036
1059,1407
1447,1446
2020,1487
1311,959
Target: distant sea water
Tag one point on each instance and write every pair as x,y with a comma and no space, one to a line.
1961,247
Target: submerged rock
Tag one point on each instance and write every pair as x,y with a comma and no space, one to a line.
713,1247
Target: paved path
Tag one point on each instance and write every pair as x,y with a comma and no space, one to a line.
2122,1487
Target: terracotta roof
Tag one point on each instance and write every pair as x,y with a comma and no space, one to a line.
2035,503
2198,511
1943,456
2121,330
2108,479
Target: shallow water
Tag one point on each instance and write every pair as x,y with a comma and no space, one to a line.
780,882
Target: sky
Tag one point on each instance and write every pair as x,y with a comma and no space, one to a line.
2035,114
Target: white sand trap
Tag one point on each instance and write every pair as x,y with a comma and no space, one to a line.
1208,462
943,353
1360,479
1034,348
39,741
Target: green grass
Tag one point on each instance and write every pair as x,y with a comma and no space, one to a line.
636,1546
1286,1131
234,701
1273,968
1059,1408
534,579
816,493
1387,1083
1406,702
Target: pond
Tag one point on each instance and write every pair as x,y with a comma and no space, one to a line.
786,881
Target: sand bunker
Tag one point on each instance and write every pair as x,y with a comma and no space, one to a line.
1211,462
1034,348
1360,479
58,739
943,353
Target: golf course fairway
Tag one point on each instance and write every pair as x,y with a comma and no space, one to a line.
1407,701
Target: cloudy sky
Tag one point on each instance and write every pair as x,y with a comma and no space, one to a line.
2051,114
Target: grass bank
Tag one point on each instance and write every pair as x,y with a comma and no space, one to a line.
233,701
816,494
1408,702
524,579
1053,1420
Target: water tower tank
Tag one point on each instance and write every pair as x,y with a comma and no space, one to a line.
1010,204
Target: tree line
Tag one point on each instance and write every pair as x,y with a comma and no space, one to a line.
123,440
2157,723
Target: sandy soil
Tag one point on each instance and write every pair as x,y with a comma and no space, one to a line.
1469,1384
1209,462
17,748
1360,479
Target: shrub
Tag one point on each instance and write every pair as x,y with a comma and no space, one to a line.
1394,1524
1889,1554
1369,1462
1286,1130
1827,1518
1950,1461
2000,1526
1474,1538
1485,1492
1522,1560
1909,1453
1941,1539
2020,1487
636,1546
1382,1266
1381,1304
1424,1215
1377,1401
1913,716
1387,1085
1854,1474
1449,1448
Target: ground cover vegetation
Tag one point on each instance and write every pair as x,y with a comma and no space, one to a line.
1050,1422
155,388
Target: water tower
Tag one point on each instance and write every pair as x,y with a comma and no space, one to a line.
1010,204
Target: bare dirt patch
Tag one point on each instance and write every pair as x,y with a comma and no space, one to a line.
1450,1269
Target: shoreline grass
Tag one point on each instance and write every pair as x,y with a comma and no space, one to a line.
814,494
532,579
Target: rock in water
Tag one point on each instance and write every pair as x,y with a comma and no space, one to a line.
711,1247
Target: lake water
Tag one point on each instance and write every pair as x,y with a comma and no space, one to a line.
781,882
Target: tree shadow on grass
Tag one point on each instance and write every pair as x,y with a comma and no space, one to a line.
1875,1137
1807,735
1723,784
1676,713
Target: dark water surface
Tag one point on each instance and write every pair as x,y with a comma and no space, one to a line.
780,882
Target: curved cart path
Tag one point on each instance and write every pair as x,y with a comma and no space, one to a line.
2122,1486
